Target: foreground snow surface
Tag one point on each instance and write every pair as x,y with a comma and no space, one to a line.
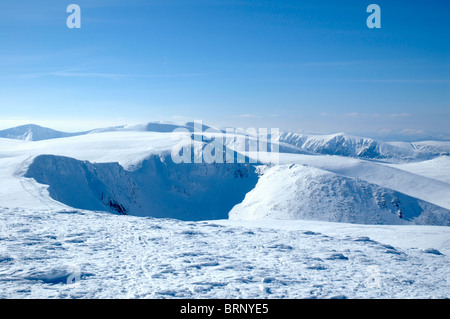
85,254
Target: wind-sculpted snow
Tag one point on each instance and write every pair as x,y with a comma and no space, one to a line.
158,188
83,254
302,192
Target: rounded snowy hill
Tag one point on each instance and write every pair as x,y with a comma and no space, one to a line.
298,191
33,132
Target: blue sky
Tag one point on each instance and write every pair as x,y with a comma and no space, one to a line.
309,66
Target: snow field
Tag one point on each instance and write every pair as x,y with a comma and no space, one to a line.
110,256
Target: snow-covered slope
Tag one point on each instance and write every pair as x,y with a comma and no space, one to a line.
161,127
33,132
302,192
83,254
437,168
436,147
382,174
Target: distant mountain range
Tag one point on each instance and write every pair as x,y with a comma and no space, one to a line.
362,147
332,144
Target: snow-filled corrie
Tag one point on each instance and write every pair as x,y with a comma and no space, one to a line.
158,188
84,254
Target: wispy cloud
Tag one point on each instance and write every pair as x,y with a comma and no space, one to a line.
111,76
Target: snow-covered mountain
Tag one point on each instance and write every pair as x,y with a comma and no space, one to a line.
362,147
160,127
289,142
302,192
33,132
408,135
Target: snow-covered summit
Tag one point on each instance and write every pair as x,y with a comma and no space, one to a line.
32,132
